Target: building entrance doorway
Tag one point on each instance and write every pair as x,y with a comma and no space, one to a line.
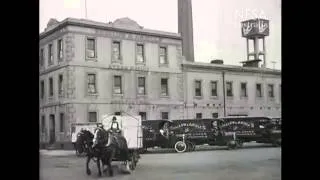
52,129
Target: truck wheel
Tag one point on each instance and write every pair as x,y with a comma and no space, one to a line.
193,147
239,144
232,145
190,146
277,142
180,147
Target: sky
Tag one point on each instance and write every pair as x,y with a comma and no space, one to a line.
216,23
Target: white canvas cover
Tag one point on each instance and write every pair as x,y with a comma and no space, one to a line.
131,129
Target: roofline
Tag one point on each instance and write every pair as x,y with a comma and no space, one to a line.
241,117
75,22
229,68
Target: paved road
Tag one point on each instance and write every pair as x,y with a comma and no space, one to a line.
258,163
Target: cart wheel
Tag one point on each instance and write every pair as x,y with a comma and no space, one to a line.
133,164
77,153
137,157
180,147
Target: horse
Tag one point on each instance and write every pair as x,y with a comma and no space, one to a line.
110,145
84,143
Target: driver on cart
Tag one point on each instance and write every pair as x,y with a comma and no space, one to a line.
114,126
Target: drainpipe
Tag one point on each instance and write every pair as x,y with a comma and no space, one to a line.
224,95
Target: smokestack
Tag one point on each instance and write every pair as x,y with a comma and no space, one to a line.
185,27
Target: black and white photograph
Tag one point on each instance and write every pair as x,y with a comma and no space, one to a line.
160,89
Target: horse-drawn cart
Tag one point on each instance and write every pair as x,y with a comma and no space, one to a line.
130,127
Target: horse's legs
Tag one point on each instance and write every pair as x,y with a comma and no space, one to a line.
109,160
87,165
98,164
103,161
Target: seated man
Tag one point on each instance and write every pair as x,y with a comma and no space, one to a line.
115,126
164,131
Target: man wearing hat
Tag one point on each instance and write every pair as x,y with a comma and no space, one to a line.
115,125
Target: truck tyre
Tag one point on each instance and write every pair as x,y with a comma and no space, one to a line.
232,144
239,144
277,142
180,147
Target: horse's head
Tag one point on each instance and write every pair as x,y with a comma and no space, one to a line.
101,137
84,140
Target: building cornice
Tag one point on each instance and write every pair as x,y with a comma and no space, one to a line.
104,26
230,68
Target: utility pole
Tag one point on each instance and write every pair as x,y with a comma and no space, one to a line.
224,94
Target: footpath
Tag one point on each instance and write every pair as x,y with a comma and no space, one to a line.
57,152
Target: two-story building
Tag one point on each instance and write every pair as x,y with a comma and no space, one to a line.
213,90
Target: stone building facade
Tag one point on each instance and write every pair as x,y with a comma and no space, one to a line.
248,91
89,69
118,67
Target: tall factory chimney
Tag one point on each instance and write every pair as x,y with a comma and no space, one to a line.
185,27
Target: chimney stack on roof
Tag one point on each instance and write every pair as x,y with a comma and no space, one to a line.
185,27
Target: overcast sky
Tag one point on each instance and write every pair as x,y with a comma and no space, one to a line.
216,23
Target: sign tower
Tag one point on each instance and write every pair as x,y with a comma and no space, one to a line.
255,30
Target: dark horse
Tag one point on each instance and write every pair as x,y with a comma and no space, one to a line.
84,144
110,145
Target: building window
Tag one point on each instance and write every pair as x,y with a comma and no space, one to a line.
92,89
92,116
50,87
60,84
214,89
91,48
270,90
41,57
214,115
116,51
141,85
163,55
117,113
61,122
50,55
140,53
60,50
198,115
43,124
42,89
258,90
117,87
165,115
198,88
164,87
143,116
229,89
243,89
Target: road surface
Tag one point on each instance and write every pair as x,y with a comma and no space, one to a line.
258,163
